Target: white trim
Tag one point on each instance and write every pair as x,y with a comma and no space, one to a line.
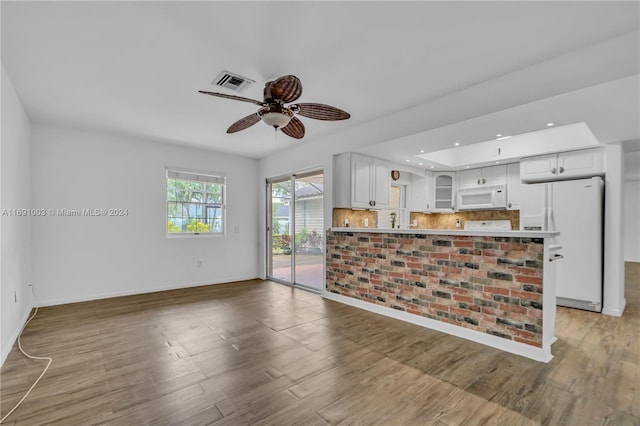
14,336
64,301
527,351
615,312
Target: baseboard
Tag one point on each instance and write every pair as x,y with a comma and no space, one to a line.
88,298
527,351
14,336
615,312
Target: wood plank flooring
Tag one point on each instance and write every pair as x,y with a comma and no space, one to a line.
257,352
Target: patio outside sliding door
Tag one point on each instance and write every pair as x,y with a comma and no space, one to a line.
308,230
279,244
295,248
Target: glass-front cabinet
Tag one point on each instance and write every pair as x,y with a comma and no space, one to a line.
443,193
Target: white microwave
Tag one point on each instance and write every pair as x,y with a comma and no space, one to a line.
482,198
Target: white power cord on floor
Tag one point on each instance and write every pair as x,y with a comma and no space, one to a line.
30,357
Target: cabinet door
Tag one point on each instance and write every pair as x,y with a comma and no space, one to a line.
443,184
381,187
580,164
417,194
494,175
513,186
469,178
361,181
539,168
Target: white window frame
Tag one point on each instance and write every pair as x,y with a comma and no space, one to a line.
195,176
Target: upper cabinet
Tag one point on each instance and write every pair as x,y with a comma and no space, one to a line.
361,182
442,195
513,186
472,178
562,166
418,192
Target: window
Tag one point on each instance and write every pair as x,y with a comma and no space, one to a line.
195,203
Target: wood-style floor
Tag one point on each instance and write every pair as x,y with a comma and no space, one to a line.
260,352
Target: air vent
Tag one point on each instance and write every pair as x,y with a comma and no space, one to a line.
232,81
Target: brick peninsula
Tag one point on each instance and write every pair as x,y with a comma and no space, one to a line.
492,287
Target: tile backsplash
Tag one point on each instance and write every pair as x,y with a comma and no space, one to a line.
356,218
426,220
448,220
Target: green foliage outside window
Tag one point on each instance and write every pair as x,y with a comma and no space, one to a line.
194,207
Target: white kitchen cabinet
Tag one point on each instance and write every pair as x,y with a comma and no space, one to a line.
442,195
420,189
562,166
361,182
473,178
514,186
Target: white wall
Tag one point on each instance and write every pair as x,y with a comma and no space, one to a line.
632,221
15,231
82,258
632,207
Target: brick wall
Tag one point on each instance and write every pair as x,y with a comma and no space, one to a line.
489,284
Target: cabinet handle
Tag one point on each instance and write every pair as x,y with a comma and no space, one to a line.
561,169
478,181
374,202
510,205
553,171
484,181
371,203
453,208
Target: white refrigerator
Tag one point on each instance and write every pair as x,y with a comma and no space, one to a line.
575,208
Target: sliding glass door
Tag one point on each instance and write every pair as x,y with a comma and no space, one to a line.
296,235
279,228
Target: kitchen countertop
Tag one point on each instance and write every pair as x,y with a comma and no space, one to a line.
499,233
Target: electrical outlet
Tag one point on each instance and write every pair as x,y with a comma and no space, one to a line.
366,222
415,222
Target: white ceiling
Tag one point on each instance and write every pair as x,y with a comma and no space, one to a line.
135,67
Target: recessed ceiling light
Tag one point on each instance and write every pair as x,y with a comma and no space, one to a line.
432,167
498,135
406,161
421,151
457,144
497,162
419,164
549,124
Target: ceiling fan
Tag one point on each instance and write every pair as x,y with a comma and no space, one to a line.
276,114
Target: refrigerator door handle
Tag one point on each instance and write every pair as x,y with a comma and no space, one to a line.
556,257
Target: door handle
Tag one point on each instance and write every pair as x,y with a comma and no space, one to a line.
561,169
556,257
553,171
484,181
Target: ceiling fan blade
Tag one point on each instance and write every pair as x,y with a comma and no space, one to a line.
320,111
235,98
295,128
287,89
243,123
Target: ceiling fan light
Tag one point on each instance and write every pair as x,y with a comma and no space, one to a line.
276,119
